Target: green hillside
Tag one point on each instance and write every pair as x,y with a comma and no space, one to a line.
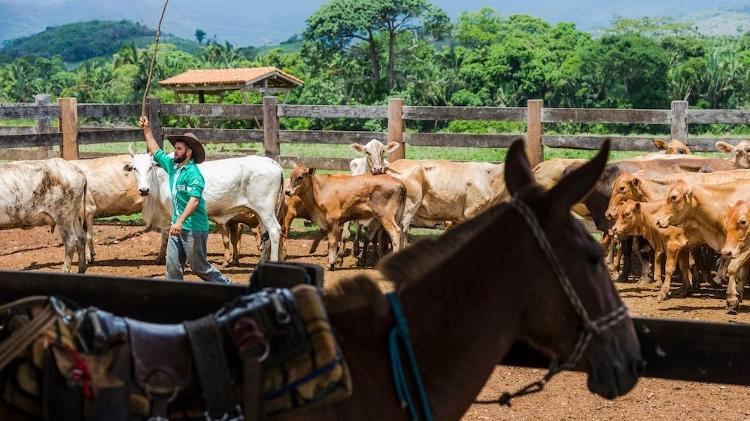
84,40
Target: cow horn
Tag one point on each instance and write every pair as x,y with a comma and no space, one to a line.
131,149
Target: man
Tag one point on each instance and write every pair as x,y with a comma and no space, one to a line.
189,231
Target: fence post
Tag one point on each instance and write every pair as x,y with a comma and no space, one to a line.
271,128
679,120
534,151
69,128
154,120
42,123
396,127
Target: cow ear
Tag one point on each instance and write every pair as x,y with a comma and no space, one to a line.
575,186
392,146
127,168
357,147
724,147
638,206
660,144
517,172
635,181
311,171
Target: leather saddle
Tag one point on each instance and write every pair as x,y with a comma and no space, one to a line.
212,366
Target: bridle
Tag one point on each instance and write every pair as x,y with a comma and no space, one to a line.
589,327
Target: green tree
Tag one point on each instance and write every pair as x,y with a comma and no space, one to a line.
352,26
199,35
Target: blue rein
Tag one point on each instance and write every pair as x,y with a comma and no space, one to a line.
401,331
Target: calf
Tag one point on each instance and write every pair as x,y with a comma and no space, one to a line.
703,208
331,200
672,243
673,147
49,192
741,152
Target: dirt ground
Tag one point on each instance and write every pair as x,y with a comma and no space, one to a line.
128,251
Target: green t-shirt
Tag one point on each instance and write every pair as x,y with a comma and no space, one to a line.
184,183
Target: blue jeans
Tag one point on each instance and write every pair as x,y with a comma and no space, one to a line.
190,246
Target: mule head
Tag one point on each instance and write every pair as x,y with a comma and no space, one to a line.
736,227
741,152
550,320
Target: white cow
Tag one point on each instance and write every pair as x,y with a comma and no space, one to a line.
47,192
112,190
233,186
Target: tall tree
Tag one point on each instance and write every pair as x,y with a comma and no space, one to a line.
343,26
199,35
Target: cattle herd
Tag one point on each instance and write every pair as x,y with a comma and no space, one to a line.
675,213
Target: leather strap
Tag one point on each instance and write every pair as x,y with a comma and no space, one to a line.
252,372
210,362
22,337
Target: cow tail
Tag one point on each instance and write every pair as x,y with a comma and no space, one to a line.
85,210
280,202
401,207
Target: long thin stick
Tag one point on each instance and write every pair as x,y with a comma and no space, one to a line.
153,59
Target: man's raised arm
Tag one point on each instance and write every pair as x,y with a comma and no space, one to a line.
149,135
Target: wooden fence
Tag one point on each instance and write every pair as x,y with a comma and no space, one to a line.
673,349
70,135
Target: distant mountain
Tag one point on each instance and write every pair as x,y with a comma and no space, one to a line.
244,23
84,40
721,22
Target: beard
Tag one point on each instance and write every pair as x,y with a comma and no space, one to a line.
180,159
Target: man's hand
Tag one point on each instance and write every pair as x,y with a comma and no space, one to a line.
144,122
176,228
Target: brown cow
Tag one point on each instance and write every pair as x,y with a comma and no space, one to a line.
332,199
673,243
674,146
703,207
741,152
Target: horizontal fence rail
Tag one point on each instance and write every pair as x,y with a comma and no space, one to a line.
266,116
672,349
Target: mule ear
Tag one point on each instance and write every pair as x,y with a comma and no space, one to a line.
724,147
517,169
575,186
660,144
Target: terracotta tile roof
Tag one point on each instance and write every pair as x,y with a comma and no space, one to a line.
227,76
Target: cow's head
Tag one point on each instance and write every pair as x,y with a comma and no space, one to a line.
677,206
628,218
741,152
736,228
300,180
142,165
674,146
374,152
626,187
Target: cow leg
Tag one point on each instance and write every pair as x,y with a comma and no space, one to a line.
355,242
334,236
69,244
224,231
733,300
645,265
658,257
235,236
683,259
391,227
316,241
161,258
669,268
606,244
90,253
270,225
